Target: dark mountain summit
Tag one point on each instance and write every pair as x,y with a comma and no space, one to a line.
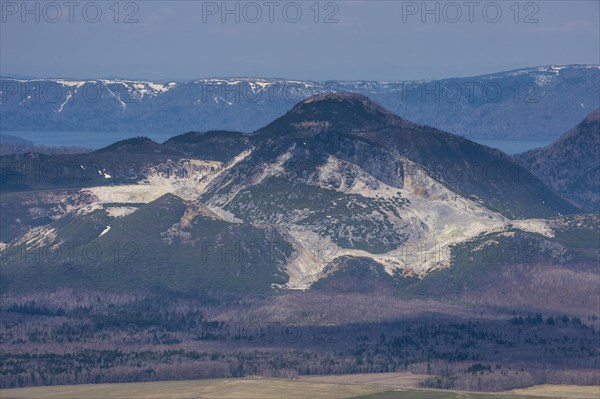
354,128
137,145
571,165
334,111
216,145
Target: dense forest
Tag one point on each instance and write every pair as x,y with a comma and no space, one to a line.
98,338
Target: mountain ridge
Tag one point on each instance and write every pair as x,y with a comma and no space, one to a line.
527,104
368,189
537,68
571,165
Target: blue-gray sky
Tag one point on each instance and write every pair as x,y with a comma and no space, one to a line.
371,40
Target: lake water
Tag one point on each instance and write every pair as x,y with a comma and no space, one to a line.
95,140
92,140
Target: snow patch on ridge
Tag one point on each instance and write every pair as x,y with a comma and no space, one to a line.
106,230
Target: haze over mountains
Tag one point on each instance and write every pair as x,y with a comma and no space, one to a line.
337,180
531,103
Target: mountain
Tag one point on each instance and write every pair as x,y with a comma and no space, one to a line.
214,145
137,145
529,103
10,144
336,184
571,165
14,140
354,129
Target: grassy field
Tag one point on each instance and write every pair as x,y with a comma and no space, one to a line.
385,380
363,388
426,394
213,389
562,391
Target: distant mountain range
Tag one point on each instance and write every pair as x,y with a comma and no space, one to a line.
10,144
531,103
337,189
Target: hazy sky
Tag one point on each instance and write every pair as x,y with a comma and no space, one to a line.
370,40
